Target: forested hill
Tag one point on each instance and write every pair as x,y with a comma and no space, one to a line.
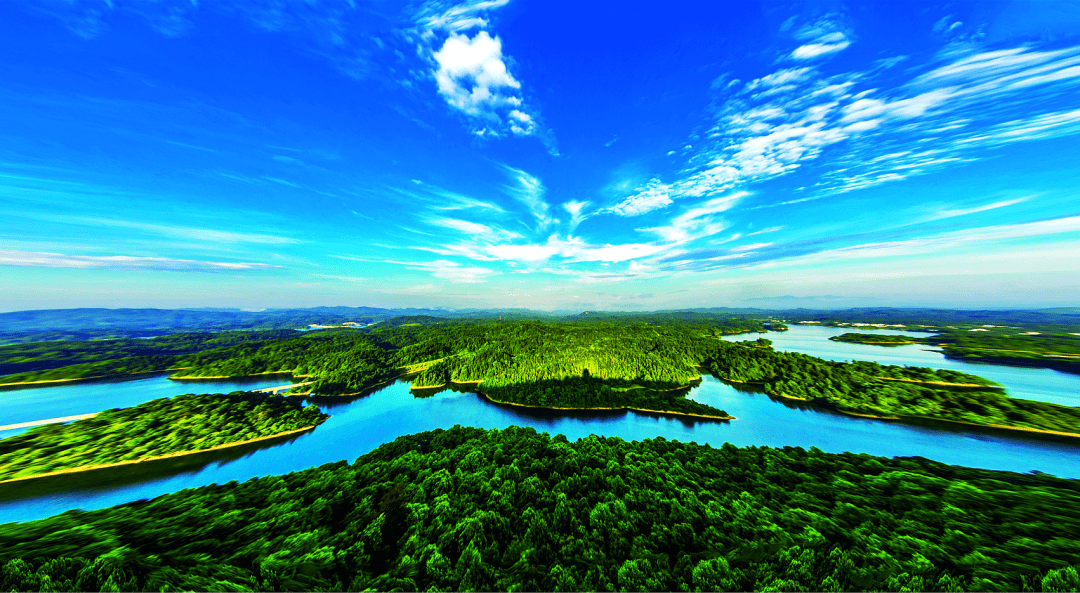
646,365
468,509
167,426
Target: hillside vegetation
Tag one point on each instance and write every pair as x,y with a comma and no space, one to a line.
643,363
469,509
158,427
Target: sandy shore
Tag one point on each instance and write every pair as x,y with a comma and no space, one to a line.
90,378
215,377
86,468
48,421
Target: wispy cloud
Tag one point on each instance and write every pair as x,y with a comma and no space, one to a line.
953,212
529,191
453,271
121,262
698,221
184,232
446,16
821,38
653,196
475,229
948,114
814,50
823,251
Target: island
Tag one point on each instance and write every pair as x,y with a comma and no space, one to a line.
470,509
601,362
879,339
157,429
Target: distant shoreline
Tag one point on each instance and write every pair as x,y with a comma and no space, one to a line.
94,378
218,377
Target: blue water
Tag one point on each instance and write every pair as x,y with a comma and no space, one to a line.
358,425
28,403
1021,382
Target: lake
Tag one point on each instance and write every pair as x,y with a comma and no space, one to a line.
358,425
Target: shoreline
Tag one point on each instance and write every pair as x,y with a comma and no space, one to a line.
940,383
86,468
875,343
912,419
94,378
34,423
218,377
627,408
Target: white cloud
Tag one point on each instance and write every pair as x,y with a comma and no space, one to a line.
472,76
529,191
480,231
699,221
781,79
453,271
121,262
813,50
653,196
784,120
183,232
950,213
576,211
471,72
464,16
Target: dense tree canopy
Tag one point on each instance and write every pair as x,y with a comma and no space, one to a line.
469,509
154,428
643,362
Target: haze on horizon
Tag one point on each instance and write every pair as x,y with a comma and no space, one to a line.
539,154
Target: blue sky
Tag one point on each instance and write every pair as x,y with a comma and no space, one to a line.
538,153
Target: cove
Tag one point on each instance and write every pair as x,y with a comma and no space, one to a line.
26,403
1045,385
360,424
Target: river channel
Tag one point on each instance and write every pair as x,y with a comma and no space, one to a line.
358,425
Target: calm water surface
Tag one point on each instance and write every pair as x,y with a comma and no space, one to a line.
1022,382
359,425
25,404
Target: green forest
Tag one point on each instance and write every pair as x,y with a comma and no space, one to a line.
643,362
154,428
1059,351
994,346
473,509
880,339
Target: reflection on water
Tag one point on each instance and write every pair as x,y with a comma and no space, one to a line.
358,425
1021,382
26,403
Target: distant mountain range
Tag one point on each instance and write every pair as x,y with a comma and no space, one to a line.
66,324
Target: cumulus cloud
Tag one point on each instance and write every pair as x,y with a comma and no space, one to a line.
471,72
473,78
121,262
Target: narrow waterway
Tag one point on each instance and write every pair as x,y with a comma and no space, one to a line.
358,425
27,403
1021,382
